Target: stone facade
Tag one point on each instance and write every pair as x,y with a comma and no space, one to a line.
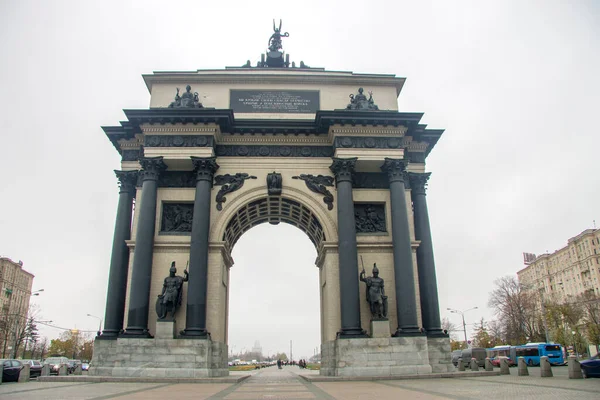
376,357
159,358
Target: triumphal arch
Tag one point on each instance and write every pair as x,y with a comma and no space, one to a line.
220,151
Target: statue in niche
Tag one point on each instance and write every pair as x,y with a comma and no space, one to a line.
170,298
361,102
186,100
375,294
274,183
369,219
275,39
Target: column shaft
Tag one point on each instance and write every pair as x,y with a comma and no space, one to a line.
141,275
430,308
119,261
348,254
403,262
195,322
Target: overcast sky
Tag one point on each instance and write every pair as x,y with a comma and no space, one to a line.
514,83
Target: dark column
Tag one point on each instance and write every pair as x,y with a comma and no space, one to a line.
139,295
403,263
195,320
343,168
119,260
430,308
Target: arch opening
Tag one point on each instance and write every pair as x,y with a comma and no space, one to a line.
274,295
274,209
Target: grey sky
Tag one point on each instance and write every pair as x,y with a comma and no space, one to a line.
514,83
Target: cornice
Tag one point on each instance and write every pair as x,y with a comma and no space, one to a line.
274,139
340,130
275,76
179,129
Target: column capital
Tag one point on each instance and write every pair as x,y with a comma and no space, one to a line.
418,182
152,167
343,168
394,168
127,180
205,168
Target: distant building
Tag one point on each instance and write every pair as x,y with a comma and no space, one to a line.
15,292
569,271
257,349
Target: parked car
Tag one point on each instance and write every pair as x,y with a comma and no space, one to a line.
496,361
85,366
456,354
477,353
590,368
12,370
35,368
55,363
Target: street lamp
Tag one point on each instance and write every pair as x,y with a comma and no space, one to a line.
462,314
99,324
36,293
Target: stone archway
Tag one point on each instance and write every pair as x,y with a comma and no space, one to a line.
353,180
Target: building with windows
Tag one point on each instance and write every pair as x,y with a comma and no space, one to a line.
15,292
569,271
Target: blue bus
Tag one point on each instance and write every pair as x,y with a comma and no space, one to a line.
531,352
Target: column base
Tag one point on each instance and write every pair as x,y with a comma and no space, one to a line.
352,333
437,333
109,334
194,333
409,331
136,333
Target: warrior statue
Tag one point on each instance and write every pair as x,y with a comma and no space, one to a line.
375,293
170,298
275,39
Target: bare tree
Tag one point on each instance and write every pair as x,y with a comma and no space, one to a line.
450,328
516,309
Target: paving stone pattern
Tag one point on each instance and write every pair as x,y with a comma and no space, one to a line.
274,384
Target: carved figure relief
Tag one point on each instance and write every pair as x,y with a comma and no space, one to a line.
186,100
229,183
318,184
177,217
360,102
369,218
274,183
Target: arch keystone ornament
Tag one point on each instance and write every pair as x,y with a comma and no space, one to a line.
303,157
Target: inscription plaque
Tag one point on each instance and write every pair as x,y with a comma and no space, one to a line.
274,101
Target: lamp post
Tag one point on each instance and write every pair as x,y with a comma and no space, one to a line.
462,314
99,324
575,344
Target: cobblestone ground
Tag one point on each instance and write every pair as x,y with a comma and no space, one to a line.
274,384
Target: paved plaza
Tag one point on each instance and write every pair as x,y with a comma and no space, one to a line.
287,383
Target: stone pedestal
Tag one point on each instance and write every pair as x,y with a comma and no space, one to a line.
24,374
389,356
440,354
380,328
165,329
155,357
